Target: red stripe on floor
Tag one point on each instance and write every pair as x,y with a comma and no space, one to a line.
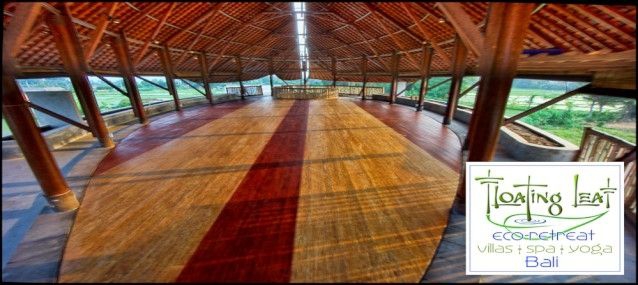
252,239
164,130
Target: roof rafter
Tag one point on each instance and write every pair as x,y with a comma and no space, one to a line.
428,36
469,33
96,37
158,28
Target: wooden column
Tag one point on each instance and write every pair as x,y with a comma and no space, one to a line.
497,67
395,77
23,127
169,73
458,68
271,71
203,66
334,72
501,51
240,72
425,75
123,56
70,50
364,69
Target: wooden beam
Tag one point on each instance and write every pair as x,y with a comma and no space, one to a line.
458,68
362,35
578,63
398,43
15,110
408,86
25,15
152,83
426,34
125,63
173,37
109,83
504,36
588,26
462,23
476,84
601,22
375,8
617,16
169,74
544,105
425,76
97,34
203,67
183,57
59,117
191,86
70,50
158,28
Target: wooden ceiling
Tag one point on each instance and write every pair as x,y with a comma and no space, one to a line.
593,37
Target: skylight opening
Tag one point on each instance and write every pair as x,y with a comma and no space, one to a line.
299,9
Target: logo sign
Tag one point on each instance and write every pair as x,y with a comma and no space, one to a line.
533,218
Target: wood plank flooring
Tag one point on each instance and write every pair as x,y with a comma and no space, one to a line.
267,190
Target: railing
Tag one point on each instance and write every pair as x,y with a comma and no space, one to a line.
301,92
356,90
599,146
248,90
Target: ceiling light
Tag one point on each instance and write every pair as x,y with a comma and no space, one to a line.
115,20
156,42
441,20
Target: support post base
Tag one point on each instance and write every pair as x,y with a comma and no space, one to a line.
64,202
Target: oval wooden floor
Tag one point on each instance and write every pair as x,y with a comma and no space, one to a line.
269,190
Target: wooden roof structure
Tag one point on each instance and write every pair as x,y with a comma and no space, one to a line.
588,38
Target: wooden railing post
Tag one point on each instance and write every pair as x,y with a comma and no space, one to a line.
458,68
334,72
121,50
425,75
169,74
203,66
15,109
364,69
395,77
271,71
70,50
240,72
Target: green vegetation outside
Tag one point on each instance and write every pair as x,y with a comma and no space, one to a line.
566,119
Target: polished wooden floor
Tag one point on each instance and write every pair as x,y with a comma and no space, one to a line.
269,190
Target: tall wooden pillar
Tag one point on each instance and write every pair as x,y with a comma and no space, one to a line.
23,127
334,72
364,69
70,50
169,73
240,72
501,51
425,75
395,77
458,68
271,71
121,50
203,66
